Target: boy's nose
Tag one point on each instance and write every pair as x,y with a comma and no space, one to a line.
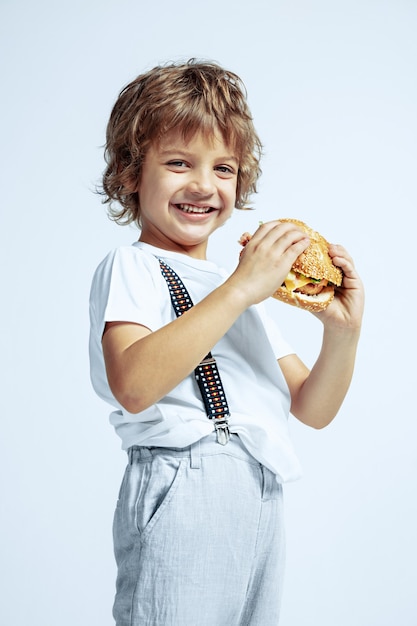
202,184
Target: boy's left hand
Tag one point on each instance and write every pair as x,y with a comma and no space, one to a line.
346,310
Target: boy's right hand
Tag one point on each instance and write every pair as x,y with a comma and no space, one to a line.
266,260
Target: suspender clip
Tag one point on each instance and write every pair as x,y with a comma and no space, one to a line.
222,431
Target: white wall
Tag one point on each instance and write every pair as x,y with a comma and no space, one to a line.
332,86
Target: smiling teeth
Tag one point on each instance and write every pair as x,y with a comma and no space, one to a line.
189,208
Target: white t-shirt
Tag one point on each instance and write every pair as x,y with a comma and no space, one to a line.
128,286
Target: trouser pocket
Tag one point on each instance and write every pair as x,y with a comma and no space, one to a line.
147,489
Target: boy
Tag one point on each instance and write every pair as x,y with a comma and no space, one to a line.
198,528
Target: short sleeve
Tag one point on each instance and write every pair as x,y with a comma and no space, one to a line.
126,287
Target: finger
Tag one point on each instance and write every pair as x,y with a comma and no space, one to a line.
350,274
296,246
263,230
338,250
279,235
273,227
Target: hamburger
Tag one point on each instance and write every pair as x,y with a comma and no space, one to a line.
313,277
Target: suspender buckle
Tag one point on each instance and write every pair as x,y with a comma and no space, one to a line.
208,360
222,431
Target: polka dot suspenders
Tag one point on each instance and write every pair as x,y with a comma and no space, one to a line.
206,373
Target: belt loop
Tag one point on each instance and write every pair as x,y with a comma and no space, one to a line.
195,455
139,453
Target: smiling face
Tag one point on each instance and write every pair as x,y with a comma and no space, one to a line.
186,191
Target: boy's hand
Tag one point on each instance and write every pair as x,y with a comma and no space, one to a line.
267,258
346,310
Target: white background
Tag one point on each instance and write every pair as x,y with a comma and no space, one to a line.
333,90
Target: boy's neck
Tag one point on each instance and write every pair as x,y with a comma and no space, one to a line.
198,251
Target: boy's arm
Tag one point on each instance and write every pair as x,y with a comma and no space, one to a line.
143,366
317,395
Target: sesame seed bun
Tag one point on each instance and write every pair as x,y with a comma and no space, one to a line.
314,263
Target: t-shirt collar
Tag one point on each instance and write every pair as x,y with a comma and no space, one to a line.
185,259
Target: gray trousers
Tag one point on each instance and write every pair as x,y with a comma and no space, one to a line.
199,538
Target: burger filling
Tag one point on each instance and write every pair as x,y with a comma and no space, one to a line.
302,284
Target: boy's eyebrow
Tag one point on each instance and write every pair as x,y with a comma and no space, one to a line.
181,152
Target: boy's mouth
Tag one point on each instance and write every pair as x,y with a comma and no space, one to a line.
191,208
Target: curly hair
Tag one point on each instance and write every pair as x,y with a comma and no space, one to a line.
186,97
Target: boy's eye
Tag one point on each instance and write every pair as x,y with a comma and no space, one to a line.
226,170
177,163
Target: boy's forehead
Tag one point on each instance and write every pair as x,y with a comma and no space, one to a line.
175,140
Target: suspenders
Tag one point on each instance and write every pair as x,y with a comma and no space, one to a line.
206,373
